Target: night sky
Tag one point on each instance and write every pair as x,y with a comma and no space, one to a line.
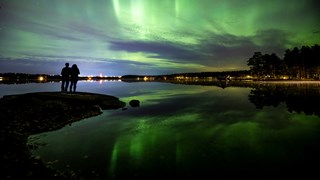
119,37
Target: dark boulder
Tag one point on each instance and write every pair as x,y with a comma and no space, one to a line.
134,103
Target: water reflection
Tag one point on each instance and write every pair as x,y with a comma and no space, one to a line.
183,131
297,97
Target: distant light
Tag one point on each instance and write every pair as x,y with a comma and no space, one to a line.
1,78
40,78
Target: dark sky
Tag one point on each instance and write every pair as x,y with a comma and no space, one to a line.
118,37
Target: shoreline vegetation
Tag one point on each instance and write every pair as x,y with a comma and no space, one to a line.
25,114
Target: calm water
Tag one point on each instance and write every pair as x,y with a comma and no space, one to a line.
182,130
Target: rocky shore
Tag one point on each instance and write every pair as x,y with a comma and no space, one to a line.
26,114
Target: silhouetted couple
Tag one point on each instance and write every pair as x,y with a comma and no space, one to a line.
69,74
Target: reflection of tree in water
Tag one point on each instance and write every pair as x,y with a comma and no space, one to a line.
297,97
267,95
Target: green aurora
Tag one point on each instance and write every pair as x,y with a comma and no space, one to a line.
118,37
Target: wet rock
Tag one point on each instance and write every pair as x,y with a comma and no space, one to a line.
134,103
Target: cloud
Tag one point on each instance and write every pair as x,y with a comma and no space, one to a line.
274,40
164,50
213,50
27,65
24,24
52,65
228,48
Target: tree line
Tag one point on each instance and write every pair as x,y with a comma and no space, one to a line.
303,63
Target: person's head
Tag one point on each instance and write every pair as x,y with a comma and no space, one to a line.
67,64
74,65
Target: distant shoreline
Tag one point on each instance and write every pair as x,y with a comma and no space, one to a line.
205,81
22,78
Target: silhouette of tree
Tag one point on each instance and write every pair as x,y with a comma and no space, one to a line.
304,62
297,63
266,65
256,64
315,56
272,65
291,58
305,54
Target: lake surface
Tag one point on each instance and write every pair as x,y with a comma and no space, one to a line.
186,130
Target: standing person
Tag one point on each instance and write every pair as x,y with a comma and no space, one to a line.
74,77
65,73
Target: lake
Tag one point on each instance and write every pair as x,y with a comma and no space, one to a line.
186,129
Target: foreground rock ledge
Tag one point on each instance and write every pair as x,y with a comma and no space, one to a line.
31,113
43,111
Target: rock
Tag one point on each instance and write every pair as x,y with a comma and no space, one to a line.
134,103
25,114
44,111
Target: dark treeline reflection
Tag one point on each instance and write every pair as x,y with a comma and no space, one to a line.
297,97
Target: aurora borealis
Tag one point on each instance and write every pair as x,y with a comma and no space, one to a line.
118,37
